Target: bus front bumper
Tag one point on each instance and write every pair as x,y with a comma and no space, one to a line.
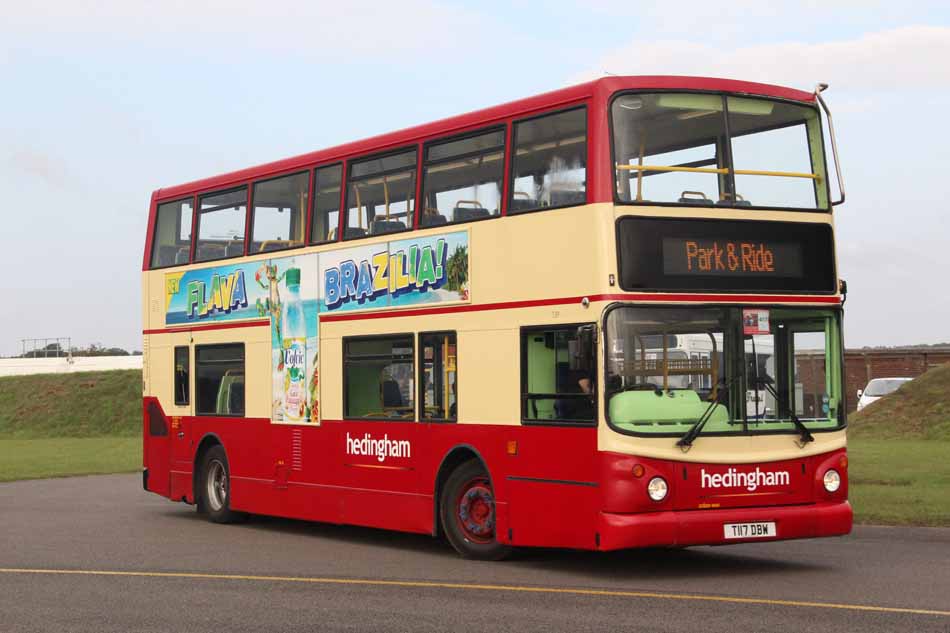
679,528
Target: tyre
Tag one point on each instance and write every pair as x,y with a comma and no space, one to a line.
467,511
214,488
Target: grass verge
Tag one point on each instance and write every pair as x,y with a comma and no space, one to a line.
64,457
85,404
899,482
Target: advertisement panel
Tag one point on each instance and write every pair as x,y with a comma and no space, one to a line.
293,291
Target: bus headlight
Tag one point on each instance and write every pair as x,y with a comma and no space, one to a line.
657,489
832,480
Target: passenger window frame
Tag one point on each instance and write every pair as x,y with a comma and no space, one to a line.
198,348
349,179
304,218
503,127
512,148
191,238
341,203
195,239
411,337
524,394
186,401
421,385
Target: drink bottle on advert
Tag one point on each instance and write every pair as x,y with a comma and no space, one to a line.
295,351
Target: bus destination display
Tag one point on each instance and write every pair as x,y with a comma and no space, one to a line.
703,255
728,257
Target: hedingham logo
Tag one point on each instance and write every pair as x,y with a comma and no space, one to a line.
378,448
750,481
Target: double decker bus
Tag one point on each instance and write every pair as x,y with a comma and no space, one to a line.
538,324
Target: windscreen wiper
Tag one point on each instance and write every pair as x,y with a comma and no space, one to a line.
805,435
686,442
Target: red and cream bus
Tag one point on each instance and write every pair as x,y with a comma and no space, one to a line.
532,325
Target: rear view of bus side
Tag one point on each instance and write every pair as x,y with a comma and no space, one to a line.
600,318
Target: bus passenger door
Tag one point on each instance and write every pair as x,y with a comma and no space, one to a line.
179,428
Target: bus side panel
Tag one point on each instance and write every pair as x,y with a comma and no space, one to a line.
547,492
245,442
553,488
156,447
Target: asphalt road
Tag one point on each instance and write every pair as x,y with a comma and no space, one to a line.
102,555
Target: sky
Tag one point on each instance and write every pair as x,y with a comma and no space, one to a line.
104,102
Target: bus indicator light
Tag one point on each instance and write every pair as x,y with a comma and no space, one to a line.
512,447
638,470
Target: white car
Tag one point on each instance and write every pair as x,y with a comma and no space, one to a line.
877,389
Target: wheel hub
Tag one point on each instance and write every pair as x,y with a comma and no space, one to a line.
476,511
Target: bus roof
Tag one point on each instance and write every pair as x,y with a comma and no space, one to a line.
599,88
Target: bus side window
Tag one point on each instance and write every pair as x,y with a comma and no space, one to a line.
555,387
219,380
278,212
378,378
171,241
549,162
182,375
462,179
326,204
381,195
221,219
439,381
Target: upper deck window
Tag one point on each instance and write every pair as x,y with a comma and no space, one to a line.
549,164
381,195
279,207
682,148
326,204
221,219
463,178
171,243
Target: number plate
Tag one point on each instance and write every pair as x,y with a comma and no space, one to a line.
749,530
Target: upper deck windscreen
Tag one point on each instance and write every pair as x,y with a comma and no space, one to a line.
714,150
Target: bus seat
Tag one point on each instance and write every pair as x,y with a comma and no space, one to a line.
274,245
236,398
433,219
230,398
352,232
166,255
234,248
181,257
564,198
522,204
211,250
697,198
726,202
466,214
381,225
392,397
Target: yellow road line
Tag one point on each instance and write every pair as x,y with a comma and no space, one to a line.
478,587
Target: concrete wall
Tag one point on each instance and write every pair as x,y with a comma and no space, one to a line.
27,366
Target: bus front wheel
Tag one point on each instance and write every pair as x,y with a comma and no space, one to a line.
214,487
467,508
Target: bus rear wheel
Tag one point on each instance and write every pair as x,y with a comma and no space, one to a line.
214,488
467,511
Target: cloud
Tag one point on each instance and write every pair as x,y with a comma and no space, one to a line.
231,28
50,170
908,57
